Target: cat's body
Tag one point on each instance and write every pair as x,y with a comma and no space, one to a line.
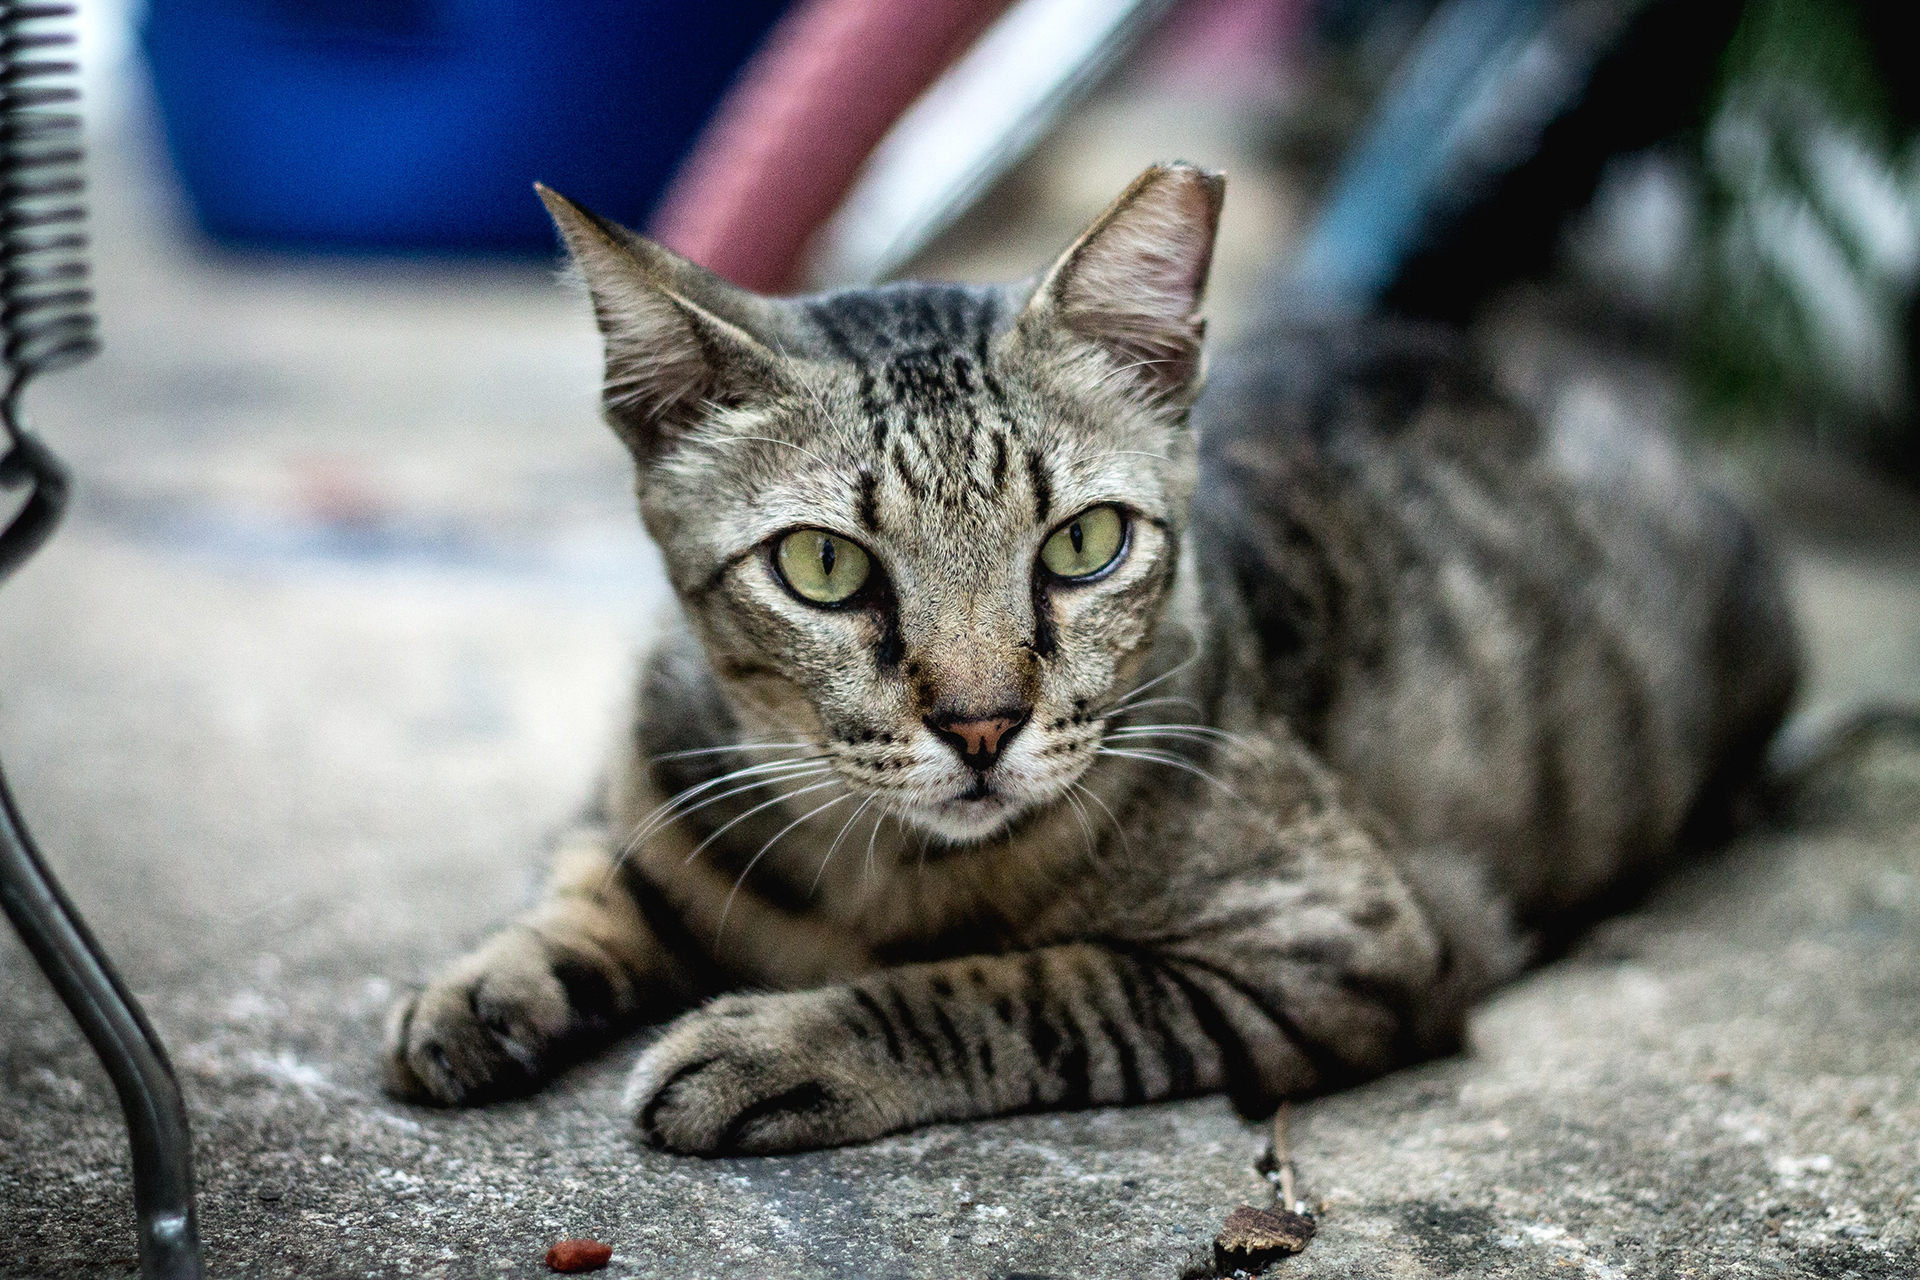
1249,804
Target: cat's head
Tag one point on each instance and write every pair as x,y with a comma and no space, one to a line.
929,529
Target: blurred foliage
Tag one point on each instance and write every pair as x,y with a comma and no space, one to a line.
1799,301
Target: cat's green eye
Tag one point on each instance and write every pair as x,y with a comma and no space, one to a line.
1086,544
822,567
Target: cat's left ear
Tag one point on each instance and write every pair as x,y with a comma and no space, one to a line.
1133,283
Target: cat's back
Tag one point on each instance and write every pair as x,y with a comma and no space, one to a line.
1547,647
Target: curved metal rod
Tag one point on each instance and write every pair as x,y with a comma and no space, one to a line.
30,461
79,970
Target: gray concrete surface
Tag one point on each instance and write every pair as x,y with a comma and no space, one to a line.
338,630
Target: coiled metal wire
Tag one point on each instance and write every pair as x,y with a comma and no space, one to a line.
46,310
46,316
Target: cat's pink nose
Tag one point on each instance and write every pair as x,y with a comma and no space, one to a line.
978,741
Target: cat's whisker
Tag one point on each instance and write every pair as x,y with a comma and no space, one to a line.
675,808
763,769
926,838
1132,695
1189,732
1111,374
662,820
844,828
806,386
747,870
879,817
735,746
742,439
1173,761
1171,741
1205,730
642,836
1132,707
1119,830
1086,832
766,804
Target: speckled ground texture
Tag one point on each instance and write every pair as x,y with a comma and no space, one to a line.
339,629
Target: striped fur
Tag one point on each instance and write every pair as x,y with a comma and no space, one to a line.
1411,671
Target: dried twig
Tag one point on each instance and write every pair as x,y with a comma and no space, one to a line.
1283,1162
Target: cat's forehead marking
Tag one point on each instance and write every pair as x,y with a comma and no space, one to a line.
936,418
876,327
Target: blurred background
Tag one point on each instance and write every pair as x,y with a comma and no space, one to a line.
324,279
341,620
1734,182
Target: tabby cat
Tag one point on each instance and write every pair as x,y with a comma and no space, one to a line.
1036,732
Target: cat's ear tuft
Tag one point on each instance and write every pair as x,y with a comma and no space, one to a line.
1133,282
678,338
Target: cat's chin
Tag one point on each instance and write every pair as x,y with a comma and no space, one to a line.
968,819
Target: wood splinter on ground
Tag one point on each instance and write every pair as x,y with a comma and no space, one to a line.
1253,1238
1276,1166
1283,1161
579,1255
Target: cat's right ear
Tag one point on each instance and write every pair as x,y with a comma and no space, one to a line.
679,339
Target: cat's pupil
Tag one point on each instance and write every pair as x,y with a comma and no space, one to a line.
1076,537
826,556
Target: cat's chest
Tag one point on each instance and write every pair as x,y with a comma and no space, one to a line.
1004,895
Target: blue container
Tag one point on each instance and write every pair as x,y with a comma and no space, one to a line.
422,124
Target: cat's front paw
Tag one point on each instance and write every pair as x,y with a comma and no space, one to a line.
488,1028
761,1074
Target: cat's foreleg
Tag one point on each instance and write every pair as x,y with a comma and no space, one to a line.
1062,1026
570,973
1284,987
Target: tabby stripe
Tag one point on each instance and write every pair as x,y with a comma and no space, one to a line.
1045,640
1329,1068
928,315
951,1035
868,503
696,964
982,339
904,470
879,1015
1042,1037
1130,1087
593,995
908,1024
1183,1068
1242,1081
799,1100
1066,1040
835,336
1152,1020
875,412
1126,1057
1075,1067
1042,487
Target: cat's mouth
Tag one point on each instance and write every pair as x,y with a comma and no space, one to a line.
979,810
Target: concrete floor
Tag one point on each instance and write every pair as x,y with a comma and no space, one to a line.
339,628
